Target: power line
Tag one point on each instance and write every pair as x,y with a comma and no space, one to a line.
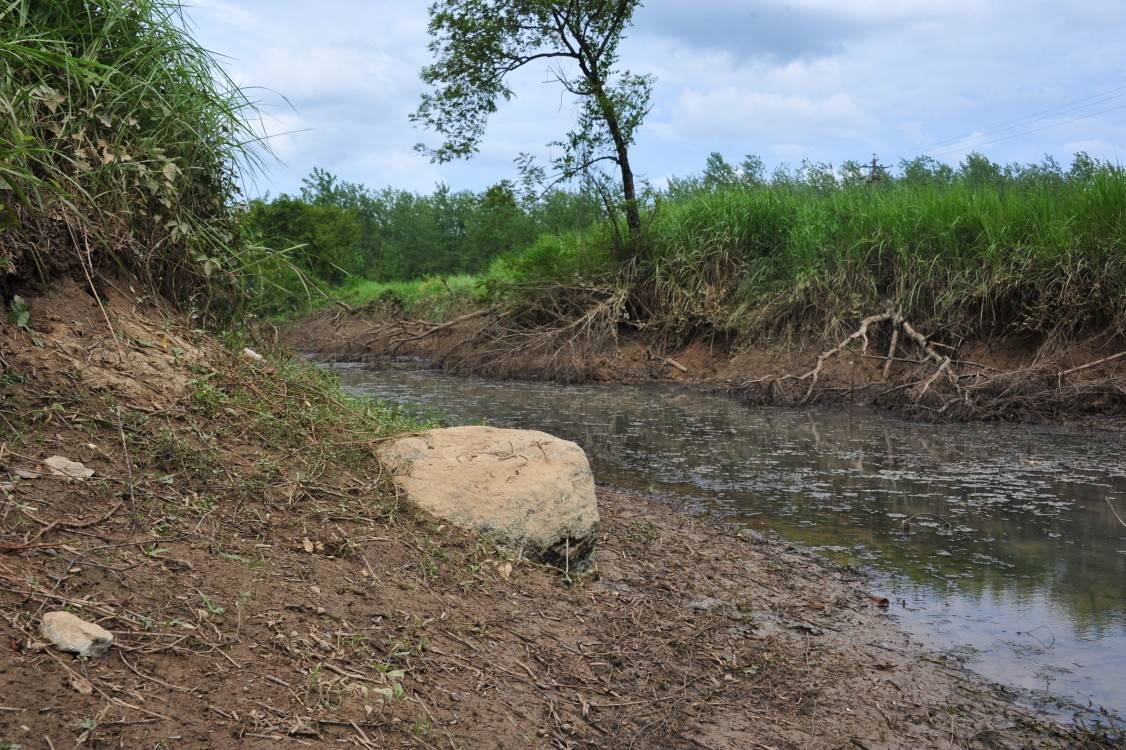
1027,132
1061,109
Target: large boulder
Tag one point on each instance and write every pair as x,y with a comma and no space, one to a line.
525,489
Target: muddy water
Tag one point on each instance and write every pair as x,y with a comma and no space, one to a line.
1012,561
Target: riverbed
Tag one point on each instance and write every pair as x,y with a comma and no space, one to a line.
998,545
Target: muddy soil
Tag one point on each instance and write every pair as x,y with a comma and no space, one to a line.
1000,378
266,587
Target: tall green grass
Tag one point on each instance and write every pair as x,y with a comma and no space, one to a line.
1019,257
1024,259
120,137
431,298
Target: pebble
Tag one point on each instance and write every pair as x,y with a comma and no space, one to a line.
72,634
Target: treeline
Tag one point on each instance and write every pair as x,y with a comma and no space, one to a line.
976,170
334,230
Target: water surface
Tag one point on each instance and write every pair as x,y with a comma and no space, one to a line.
1011,560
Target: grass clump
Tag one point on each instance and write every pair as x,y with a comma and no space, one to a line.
431,298
120,137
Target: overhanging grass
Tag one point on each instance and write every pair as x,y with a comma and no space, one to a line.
1027,258
121,137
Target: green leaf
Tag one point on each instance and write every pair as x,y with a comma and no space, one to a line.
19,313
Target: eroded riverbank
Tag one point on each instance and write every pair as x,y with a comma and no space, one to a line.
897,370
998,544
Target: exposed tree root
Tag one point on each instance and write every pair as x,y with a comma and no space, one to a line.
580,332
558,336
936,385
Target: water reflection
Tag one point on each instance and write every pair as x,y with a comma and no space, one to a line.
1010,558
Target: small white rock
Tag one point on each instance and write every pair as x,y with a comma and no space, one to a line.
64,467
69,633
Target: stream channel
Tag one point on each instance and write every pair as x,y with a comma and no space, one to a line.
1017,569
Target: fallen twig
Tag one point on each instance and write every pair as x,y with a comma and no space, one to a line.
1096,363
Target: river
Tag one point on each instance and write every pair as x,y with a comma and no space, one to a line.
997,544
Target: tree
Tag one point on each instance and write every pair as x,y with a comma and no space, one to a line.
322,239
718,174
978,171
496,226
478,44
752,172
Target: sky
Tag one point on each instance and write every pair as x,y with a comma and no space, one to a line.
787,80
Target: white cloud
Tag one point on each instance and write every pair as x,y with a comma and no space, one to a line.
741,113
822,79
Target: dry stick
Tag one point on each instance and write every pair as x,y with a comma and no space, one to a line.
1096,363
441,327
129,470
140,674
677,365
87,272
73,524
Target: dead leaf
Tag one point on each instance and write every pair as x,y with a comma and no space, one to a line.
505,570
51,98
307,545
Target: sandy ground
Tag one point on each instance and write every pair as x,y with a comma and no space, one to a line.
266,589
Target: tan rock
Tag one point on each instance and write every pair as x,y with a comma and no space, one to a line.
526,489
61,466
69,633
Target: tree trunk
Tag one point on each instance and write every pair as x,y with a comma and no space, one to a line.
633,211
629,188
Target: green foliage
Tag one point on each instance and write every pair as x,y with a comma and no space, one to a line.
321,238
343,234
431,298
19,314
477,45
555,259
119,131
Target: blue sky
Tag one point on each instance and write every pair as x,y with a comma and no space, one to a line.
825,80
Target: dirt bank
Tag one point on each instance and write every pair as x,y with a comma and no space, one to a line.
267,589
873,362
